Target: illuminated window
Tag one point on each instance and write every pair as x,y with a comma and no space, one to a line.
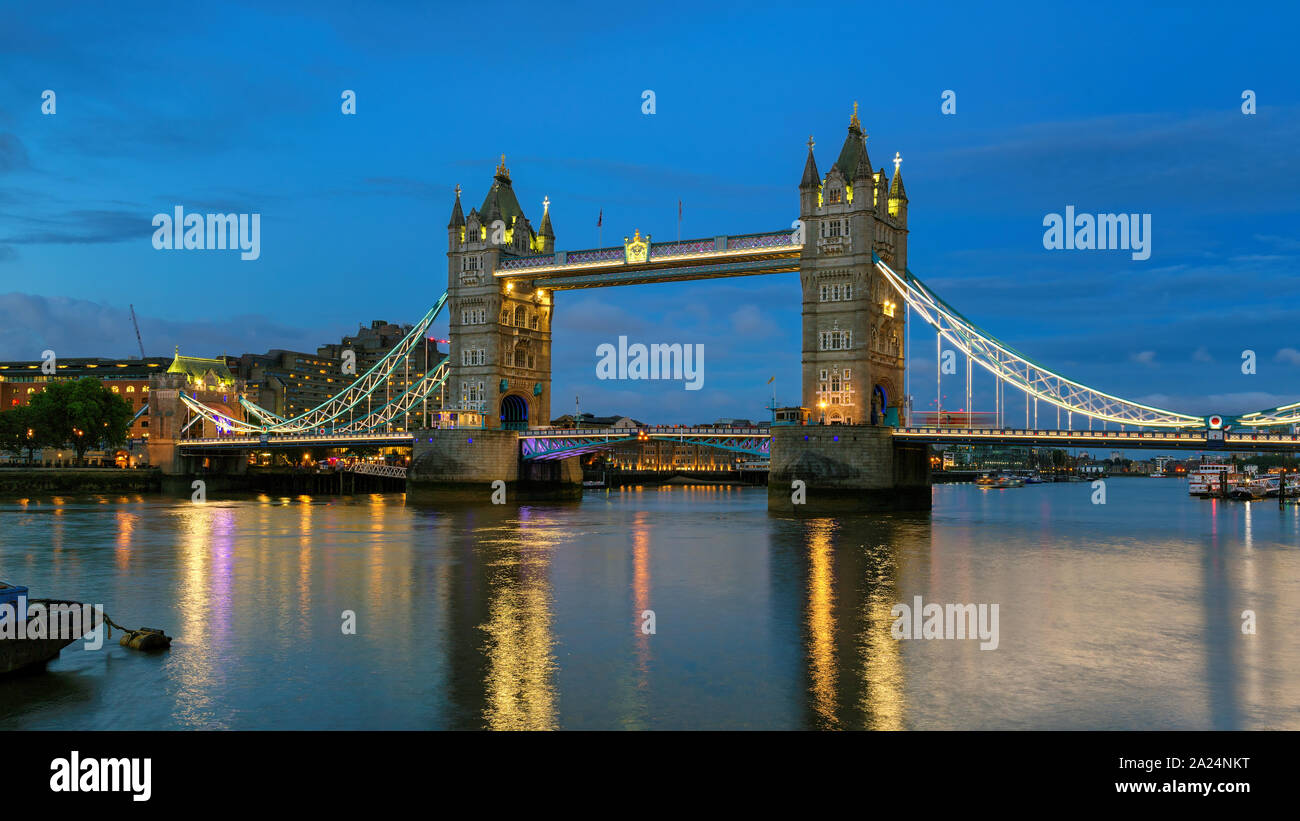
130,388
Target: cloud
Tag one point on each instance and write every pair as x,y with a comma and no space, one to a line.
1144,358
1202,355
1289,355
83,227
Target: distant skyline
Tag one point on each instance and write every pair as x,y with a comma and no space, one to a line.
1116,109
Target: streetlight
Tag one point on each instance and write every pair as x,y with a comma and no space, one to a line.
822,405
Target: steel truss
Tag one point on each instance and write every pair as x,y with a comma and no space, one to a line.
563,446
397,408
358,393
1017,370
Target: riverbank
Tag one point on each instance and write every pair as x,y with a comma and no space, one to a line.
23,480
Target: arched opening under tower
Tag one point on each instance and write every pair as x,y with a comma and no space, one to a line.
879,404
514,412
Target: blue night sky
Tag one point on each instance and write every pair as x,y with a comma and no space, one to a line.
1104,106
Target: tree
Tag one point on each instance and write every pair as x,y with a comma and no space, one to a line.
13,430
82,414
20,430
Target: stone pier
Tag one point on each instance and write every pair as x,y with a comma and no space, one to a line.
219,472
846,469
462,463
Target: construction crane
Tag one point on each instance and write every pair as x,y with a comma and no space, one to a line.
137,332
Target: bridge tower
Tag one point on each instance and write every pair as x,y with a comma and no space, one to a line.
853,332
500,332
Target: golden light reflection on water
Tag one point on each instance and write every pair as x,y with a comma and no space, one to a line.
641,594
883,703
205,602
821,622
520,665
125,532
854,666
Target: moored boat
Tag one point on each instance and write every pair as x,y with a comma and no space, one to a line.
1207,478
18,650
1000,481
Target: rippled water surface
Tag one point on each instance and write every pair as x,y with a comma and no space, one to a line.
1123,615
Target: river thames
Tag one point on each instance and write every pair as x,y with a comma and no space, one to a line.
1124,615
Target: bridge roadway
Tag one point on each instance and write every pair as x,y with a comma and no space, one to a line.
535,443
1163,439
559,443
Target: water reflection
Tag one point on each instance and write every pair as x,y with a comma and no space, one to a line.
854,673
529,617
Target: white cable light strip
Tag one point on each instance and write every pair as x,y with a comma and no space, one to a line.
1024,375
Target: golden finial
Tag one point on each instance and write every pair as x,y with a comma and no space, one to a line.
546,205
810,142
457,190
502,171
854,122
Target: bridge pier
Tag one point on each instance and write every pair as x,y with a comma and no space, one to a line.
846,469
461,464
219,472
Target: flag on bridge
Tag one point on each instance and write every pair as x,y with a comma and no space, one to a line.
600,218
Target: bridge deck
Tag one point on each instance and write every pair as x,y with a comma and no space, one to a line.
773,252
554,442
1168,440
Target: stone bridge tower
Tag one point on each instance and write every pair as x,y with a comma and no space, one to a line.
500,332
853,331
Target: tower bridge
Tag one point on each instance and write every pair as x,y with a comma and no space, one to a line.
849,247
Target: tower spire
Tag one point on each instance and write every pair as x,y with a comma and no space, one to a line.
457,215
811,179
854,123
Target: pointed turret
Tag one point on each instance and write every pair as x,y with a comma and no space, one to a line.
546,229
811,179
457,215
896,187
546,233
897,193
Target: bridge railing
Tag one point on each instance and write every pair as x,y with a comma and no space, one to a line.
651,431
295,438
1056,434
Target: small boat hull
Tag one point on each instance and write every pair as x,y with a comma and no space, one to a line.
29,654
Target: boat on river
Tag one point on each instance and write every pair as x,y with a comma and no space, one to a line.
1000,481
21,652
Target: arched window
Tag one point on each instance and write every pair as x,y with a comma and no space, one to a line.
130,388
521,356
521,317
